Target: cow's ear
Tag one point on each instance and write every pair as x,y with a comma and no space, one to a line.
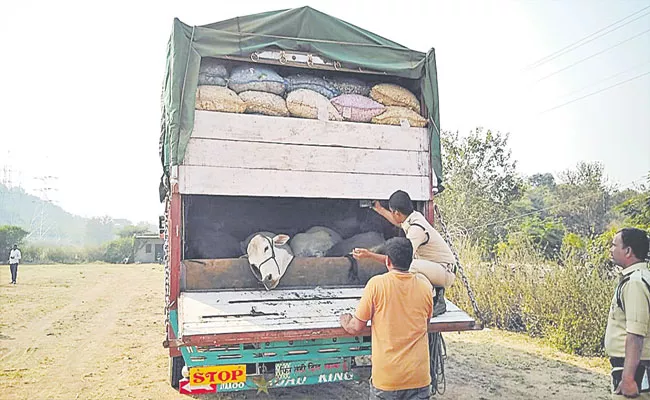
279,240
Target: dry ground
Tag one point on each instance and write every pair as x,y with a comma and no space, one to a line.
95,332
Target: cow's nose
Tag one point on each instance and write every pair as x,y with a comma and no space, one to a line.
268,278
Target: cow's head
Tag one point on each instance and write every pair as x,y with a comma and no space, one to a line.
269,258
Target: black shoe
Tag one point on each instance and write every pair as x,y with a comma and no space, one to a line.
439,303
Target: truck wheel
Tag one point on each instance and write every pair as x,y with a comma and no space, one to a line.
176,365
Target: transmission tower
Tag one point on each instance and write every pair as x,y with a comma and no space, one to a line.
40,225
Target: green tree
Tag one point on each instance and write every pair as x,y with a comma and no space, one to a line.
118,250
636,208
481,183
545,234
10,235
583,201
131,230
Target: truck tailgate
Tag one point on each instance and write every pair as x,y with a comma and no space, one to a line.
207,318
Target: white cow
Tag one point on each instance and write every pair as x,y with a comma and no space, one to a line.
314,242
269,258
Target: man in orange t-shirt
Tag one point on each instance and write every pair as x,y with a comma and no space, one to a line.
400,305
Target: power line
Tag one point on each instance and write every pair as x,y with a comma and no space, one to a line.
604,79
593,55
585,40
596,92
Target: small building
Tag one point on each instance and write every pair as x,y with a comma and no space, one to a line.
147,248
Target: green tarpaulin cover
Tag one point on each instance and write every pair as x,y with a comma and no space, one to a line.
300,29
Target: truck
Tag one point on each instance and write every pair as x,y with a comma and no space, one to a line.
229,175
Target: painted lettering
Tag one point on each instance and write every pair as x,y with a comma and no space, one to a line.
198,378
335,377
232,385
236,374
210,376
223,376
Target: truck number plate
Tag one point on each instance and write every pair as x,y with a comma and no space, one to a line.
202,376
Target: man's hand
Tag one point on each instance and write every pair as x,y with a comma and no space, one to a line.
360,254
628,388
350,324
376,205
345,319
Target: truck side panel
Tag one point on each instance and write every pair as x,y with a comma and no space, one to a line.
249,155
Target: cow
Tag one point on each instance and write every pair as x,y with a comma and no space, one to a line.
366,240
314,242
269,257
244,244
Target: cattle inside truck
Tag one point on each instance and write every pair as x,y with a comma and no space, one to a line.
245,148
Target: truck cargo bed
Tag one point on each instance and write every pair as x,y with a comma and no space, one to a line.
207,318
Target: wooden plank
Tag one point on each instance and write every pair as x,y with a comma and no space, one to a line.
270,323
288,157
265,129
262,182
303,334
225,313
303,272
240,296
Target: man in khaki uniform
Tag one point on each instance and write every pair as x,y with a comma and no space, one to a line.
432,257
628,323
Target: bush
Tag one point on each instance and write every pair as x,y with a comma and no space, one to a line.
566,304
118,250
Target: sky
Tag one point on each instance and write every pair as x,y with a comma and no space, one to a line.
80,85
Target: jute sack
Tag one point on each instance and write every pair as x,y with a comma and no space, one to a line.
257,78
315,83
306,103
394,115
357,108
347,85
212,72
217,98
389,94
264,103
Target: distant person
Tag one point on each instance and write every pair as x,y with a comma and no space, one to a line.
14,260
629,317
399,304
426,241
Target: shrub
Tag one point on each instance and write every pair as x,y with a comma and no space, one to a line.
566,304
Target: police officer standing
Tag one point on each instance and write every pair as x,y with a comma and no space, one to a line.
628,323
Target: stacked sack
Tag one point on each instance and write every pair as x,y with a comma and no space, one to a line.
308,96
212,93
258,89
261,88
400,104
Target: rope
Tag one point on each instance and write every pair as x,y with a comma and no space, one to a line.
438,355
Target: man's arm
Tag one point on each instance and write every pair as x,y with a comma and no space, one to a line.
633,348
385,213
352,324
360,254
635,298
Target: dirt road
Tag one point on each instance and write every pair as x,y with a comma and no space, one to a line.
95,332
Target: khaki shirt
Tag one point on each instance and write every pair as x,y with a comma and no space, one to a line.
427,243
636,317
